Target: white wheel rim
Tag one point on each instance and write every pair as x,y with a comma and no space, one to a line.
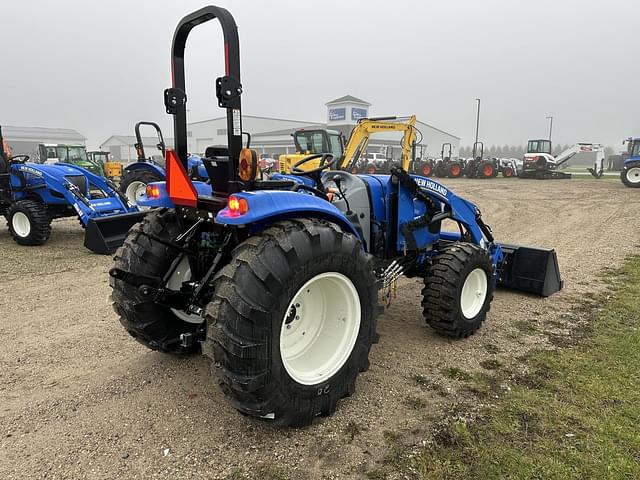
135,190
474,293
181,274
21,224
320,328
633,175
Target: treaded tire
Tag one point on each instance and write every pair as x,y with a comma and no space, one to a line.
455,170
471,169
441,304
39,222
483,171
142,175
440,170
153,325
245,317
625,179
507,172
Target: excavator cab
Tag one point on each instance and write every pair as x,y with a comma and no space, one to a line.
539,146
313,142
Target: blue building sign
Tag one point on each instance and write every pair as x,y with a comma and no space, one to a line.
336,114
358,113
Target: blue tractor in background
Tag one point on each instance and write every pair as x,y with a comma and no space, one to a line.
277,280
34,194
138,175
630,173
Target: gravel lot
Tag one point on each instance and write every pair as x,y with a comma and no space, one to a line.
81,399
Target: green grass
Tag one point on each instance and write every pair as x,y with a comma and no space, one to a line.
574,415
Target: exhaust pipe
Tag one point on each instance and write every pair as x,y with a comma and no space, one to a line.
105,234
529,269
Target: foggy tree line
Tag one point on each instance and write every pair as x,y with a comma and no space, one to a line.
515,151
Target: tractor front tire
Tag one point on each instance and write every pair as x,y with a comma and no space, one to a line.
28,222
630,176
155,326
292,320
471,169
458,290
134,183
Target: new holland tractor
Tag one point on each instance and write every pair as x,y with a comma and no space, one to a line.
630,173
278,280
34,194
145,170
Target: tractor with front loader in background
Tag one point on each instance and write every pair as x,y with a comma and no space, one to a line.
34,194
540,164
277,280
630,173
136,176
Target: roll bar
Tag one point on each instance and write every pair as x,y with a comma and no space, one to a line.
228,88
139,146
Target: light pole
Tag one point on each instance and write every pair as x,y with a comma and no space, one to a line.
550,118
477,128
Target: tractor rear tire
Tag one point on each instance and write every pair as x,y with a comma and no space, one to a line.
260,312
136,181
630,176
29,222
458,290
425,169
371,169
487,170
455,170
155,326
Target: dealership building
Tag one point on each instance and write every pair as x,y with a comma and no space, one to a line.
272,136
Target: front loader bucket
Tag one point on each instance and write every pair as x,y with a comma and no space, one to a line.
105,234
530,269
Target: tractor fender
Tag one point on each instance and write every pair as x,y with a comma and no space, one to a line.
266,207
145,166
631,162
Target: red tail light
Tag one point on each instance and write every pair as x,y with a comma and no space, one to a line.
237,206
179,186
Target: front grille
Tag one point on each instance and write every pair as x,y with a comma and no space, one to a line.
79,181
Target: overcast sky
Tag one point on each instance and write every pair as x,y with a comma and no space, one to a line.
100,66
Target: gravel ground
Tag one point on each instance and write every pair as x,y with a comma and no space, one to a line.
81,399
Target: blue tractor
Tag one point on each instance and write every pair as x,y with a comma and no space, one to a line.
630,173
278,280
34,194
136,176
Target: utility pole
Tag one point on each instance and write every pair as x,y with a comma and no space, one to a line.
477,128
550,118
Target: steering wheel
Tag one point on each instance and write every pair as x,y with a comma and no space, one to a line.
20,159
324,164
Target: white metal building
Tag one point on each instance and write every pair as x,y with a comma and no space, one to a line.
122,147
25,140
272,136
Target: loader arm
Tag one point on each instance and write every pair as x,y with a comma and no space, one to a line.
361,133
572,151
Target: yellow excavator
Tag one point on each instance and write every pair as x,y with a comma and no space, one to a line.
320,141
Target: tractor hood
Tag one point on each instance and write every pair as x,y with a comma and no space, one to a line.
58,171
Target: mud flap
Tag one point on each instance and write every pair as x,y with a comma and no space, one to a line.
105,234
530,269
